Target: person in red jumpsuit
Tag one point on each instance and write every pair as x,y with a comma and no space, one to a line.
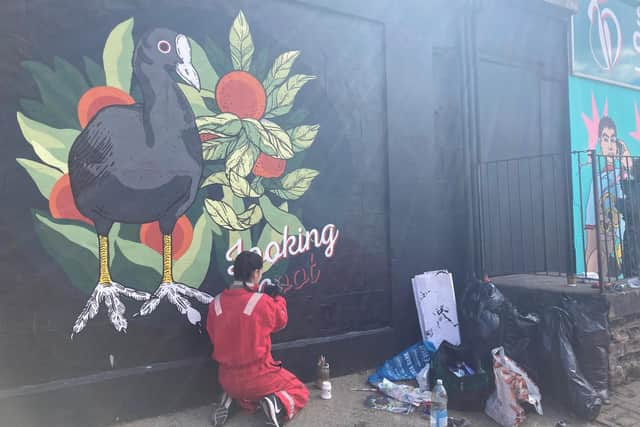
240,323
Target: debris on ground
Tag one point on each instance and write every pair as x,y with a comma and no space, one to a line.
383,403
404,393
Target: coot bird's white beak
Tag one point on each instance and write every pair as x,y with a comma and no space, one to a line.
185,69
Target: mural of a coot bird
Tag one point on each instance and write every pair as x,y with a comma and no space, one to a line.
141,163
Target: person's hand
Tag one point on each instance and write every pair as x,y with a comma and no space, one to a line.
273,289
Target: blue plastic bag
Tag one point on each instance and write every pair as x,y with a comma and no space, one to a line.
405,365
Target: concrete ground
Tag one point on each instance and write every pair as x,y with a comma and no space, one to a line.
346,409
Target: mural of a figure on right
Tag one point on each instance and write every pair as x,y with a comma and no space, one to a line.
612,164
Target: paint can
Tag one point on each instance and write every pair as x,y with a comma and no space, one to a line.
322,373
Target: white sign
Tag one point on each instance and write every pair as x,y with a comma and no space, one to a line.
436,305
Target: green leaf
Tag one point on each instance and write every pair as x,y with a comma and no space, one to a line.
280,70
200,61
57,94
94,72
257,185
240,186
296,183
259,65
41,113
294,118
136,265
278,218
218,57
242,159
140,254
43,176
269,138
238,206
281,100
240,43
223,124
74,247
196,99
192,267
224,215
215,178
217,149
51,145
80,235
117,56
303,136
73,77
251,216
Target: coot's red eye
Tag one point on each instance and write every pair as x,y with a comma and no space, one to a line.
164,46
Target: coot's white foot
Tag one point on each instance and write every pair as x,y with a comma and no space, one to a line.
177,294
109,294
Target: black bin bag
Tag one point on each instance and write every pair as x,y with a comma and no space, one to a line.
489,320
562,367
590,320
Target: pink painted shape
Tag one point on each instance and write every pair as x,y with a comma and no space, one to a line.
636,133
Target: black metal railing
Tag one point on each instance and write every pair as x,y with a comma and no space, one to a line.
571,214
524,215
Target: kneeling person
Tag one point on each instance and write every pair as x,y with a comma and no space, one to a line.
240,323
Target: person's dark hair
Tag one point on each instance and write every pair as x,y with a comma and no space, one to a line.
606,122
245,264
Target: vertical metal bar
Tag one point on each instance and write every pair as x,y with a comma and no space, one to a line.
607,218
492,221
618,187
500,227
533,217
544,220
483,216
522,241
510,213
568,190
596,198
633,218
582,211
631,206
555,206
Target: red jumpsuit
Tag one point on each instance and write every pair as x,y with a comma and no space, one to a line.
240,324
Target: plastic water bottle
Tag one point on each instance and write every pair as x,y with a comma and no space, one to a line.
439,416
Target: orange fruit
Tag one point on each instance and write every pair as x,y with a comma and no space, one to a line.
97,98
240,93
181,237
61,202
206,136
269,167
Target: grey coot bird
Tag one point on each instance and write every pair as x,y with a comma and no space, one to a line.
141,163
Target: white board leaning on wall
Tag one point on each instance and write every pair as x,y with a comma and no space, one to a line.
436,305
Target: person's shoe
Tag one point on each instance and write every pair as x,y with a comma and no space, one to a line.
273,410
220,411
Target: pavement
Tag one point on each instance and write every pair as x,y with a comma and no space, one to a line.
346,409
